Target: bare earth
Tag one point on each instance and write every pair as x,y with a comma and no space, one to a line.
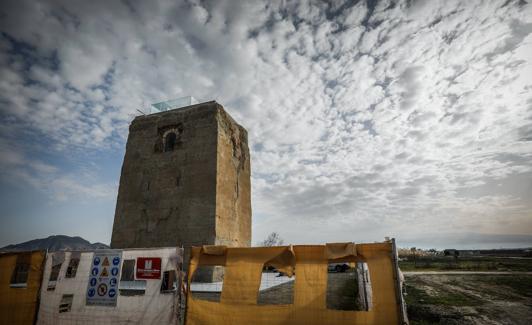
466,273
469,298
447,297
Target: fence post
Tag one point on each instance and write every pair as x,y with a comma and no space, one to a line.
401,306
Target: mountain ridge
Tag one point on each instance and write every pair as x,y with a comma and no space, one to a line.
55,243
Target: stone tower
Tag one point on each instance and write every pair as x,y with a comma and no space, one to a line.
185,181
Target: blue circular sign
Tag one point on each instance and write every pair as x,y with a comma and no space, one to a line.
93,282
96,260
91,292
114,271
112,293
112,282
94,271
116,260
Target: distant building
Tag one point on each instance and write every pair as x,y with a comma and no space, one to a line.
185,180
451,252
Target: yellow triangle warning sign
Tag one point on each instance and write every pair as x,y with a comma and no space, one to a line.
105,262
105,273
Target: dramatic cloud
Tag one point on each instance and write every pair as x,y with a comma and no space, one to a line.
366,118
57,184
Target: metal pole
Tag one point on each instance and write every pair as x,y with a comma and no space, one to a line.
403,319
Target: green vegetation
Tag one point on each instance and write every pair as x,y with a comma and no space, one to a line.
521,285
449,263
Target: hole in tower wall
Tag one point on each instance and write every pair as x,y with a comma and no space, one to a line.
170,141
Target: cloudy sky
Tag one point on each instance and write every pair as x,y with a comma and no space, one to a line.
366,118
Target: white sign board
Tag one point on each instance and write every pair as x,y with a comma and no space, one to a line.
102,289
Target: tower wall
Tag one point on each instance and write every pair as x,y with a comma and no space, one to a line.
233,199
196,194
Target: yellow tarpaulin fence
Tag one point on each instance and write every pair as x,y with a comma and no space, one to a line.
242,276
18,300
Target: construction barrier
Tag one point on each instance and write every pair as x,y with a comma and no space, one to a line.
20,279
242,279
139,286
262,285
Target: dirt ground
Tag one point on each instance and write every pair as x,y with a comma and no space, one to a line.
469,299
432,298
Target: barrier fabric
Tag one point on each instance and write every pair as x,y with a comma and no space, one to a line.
18,302
142,302
243,267
285,262
339,250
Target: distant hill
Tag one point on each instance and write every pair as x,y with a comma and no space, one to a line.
54,243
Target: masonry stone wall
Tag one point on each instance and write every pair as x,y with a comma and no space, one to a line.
196,194
233,200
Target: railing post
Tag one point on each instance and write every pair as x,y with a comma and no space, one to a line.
401,306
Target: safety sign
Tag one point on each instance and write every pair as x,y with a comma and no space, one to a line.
103,278
148,268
